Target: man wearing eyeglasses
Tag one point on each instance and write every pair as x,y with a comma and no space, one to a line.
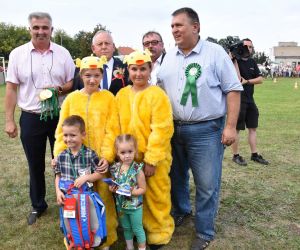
248,117
152,41
34,67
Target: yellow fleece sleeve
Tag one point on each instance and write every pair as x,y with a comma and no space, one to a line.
112,129
59,145
162,129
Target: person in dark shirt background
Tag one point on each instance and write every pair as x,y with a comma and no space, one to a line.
248,117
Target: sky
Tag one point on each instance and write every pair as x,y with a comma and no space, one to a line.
265,22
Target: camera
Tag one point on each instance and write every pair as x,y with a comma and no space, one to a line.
233,45
239,50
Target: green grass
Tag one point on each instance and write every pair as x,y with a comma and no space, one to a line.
259,206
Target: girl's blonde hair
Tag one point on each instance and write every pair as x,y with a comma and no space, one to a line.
125,138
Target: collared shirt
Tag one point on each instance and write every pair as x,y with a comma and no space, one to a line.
34,71
86,159
155,69
218,77
109,71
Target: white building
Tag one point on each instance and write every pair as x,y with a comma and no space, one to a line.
286,53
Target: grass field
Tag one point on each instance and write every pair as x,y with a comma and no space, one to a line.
259,207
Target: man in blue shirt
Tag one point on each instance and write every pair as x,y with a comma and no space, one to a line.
200,79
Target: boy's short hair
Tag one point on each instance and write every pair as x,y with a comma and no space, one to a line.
75,120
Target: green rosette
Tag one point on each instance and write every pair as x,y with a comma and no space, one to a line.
192,73
50,106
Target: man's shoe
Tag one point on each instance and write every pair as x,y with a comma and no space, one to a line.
199,244
259,159
33,216
179,219
239,160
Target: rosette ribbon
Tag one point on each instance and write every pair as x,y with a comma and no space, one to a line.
192,73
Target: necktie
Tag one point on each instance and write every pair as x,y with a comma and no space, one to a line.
104,80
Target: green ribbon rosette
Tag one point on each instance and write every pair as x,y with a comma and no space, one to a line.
50,104
192,73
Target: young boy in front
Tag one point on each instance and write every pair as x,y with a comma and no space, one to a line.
77,163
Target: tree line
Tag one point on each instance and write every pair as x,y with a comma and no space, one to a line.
12,36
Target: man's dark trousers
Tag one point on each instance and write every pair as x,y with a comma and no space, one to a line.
34,134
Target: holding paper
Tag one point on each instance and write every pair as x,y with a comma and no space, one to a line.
122,189
110,181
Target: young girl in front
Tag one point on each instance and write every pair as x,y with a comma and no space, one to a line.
127,173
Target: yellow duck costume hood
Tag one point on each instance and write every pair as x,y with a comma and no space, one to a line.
91,62
138,57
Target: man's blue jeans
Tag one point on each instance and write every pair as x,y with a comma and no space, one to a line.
198,146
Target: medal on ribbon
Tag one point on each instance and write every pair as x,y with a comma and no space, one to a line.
45,94
50,104
192,73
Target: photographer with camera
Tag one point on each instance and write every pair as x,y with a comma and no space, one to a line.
249,75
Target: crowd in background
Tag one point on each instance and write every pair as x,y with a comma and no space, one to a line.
280,70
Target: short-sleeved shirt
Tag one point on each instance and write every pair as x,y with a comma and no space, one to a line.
67,163
34,71
218,77
130,178
248,70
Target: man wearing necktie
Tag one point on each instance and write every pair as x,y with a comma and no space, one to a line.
104,79
115,74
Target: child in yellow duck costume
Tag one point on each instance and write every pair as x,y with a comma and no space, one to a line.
145,112
98,109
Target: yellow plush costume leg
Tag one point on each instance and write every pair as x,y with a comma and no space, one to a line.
111,216
158,223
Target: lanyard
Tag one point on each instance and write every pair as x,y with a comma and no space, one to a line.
120,198
119,174
72,164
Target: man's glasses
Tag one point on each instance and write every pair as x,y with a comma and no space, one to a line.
153,43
